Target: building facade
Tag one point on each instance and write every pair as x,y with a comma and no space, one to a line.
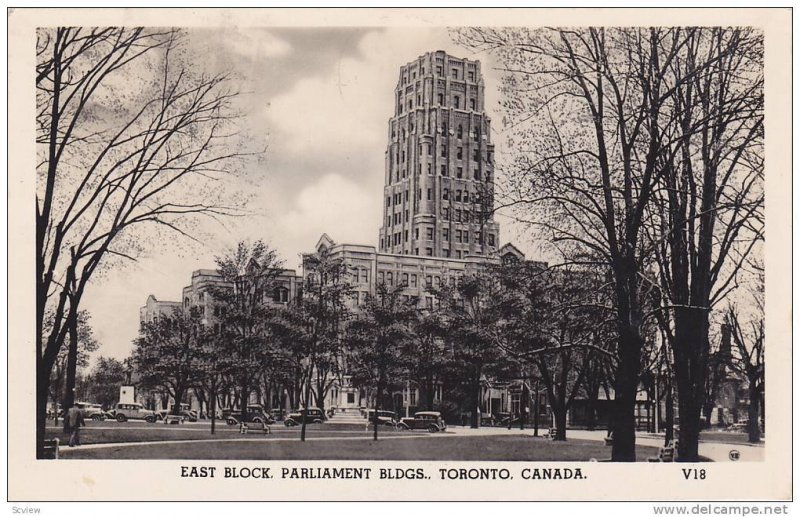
438,193
437,224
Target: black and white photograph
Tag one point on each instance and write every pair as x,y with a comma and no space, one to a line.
298,247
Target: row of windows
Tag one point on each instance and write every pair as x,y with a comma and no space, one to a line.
397,218
443,171
429,251
461,236
361,276
443,131
279,294
457,195
455,102
455,73
458,216
397,198
410,279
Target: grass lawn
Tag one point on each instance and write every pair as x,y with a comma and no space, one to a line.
111,431
424,447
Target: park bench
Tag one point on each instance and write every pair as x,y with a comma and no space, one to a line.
263,427
665,454
173,419
51,449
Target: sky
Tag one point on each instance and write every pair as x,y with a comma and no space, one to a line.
321,99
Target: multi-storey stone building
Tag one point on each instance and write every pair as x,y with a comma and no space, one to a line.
439,163
438,220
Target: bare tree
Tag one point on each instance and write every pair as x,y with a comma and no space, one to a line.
67,363
584,109
122,127
556,320
639,145
747,356
706,213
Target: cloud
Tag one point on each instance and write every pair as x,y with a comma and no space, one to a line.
334,205
324,98
248,43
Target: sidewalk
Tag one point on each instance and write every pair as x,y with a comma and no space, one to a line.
714,451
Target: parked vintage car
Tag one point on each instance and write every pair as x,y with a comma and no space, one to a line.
184,412
133,411
429,420
91,411
387,418
255,414
311,415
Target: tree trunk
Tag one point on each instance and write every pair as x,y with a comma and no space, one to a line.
303,414
378,406
213,409
476,400
626,382
244,396
72,363
321,392
689,433
591,407
429,392
753,413
176,407
691,353
669,416
560,416
42,388
536,412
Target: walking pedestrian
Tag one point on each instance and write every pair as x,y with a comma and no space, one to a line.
75,421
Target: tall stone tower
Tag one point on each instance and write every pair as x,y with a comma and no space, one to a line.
438,193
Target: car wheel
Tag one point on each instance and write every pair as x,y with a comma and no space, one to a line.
232,421
97,418
290,423
121,418
317,421
433,429
150,419
257,420
402,427
388,424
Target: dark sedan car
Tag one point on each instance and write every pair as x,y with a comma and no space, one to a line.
431,421
255,414
311,416
387,418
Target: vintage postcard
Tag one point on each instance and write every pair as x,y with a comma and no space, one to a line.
399,254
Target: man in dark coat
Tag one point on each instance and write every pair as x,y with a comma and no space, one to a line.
75,421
